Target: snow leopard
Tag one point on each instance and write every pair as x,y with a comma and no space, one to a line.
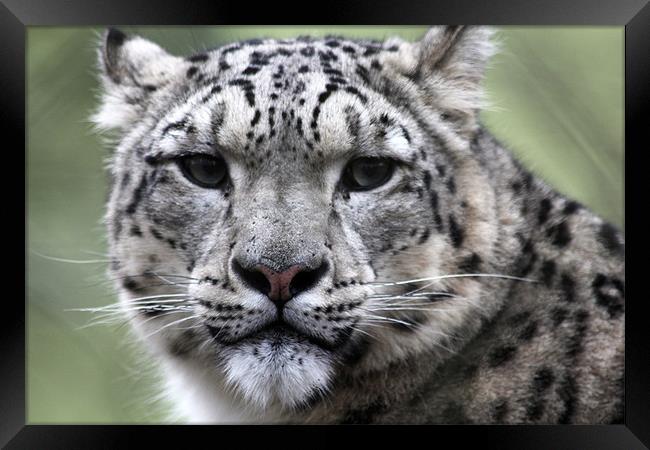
322,230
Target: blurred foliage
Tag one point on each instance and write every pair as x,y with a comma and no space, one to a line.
557,96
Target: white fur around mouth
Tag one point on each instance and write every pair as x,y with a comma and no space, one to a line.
277,368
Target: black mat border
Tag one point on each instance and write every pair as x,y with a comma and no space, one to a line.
16,15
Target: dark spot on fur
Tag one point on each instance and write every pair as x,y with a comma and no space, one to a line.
528,332
137,196
256,118
251,70
425,236
363,73
129,284
501,355
558,315
544,210
436,213
370,51
560,234
456,233
525,262
407,136
155,233
548,271
542,380
610,294
608,235
427,179
451,185
470,264
442,170
499,410
575,345
571,207
214,331
125,180
201,57
136,231
568,286
307,51
568,392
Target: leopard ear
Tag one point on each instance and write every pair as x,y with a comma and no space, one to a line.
131,69
451,63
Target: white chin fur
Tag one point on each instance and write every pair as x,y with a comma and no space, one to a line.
277,372
261,380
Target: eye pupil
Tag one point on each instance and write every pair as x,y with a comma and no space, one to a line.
204,171
367,173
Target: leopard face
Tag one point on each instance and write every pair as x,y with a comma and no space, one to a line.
273,201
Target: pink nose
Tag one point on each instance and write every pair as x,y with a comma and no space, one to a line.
279,282
280,287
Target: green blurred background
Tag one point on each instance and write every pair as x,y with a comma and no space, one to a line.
557,96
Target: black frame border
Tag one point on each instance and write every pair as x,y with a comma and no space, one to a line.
16,15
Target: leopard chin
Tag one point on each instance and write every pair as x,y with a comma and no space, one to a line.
278,368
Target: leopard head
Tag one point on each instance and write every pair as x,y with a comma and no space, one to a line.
282,211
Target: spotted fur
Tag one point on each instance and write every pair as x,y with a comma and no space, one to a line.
287,115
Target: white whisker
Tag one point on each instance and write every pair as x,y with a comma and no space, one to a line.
126,306
364,332
171,324
388,319
72,261
444,294
404,309
443,277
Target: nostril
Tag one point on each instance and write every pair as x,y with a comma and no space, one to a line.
280,287
307,279
255,279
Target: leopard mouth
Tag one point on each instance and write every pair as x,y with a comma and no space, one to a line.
281,332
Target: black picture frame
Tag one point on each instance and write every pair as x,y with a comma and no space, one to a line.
16,15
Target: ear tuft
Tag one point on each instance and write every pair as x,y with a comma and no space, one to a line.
436,46
451,63
458,50
131,70
113,40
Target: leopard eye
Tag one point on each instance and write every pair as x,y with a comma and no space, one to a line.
206,171
363,174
